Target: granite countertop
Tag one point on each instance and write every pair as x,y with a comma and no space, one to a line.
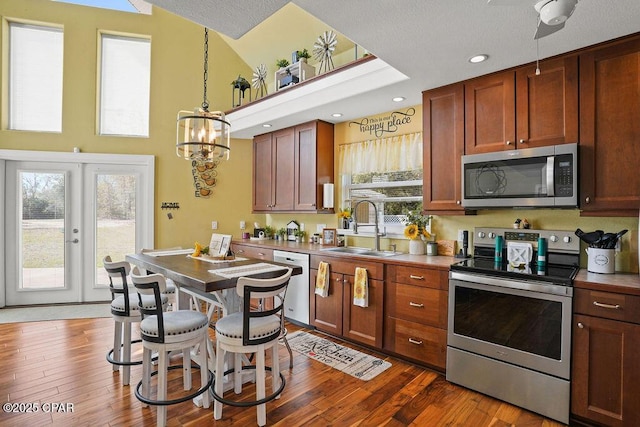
627,283
440,262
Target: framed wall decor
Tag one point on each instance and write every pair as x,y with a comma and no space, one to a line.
329,236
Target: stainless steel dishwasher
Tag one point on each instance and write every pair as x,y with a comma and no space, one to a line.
296,303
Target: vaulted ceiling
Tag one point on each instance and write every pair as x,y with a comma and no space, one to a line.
429,41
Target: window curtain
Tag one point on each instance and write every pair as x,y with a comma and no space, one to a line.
397,153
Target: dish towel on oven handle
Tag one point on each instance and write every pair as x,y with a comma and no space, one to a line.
322,280
361,288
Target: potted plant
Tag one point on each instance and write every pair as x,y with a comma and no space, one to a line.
345,218
303,55
282,63
300,235
269,231
281,233
415,229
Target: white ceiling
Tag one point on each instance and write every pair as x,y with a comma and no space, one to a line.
429,41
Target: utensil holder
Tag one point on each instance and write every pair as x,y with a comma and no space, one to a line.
601,260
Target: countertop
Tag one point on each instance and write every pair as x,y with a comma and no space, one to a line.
626,283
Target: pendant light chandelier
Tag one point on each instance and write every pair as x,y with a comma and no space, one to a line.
203,135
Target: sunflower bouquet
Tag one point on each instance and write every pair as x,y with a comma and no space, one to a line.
416,225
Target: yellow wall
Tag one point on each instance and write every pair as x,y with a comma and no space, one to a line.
176,84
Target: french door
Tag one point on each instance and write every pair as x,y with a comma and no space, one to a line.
62,217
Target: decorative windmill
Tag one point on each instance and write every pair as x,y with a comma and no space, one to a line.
258,81
323,50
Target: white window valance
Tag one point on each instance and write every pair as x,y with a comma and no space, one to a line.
393,154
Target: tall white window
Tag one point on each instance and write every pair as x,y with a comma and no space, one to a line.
35,77
386,171
125,69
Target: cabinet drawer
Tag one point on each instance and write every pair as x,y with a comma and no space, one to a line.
608,305
427,277
422,305
423,343
253,252
342,265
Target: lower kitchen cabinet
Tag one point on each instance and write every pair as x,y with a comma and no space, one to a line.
336,314
416,314
252,252
606,367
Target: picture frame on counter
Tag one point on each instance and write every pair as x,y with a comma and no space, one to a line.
329,236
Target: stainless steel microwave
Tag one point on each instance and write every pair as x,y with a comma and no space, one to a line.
534,177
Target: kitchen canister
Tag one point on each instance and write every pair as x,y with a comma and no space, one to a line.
601,260
432,248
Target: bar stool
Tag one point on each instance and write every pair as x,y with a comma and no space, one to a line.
124,309
164,332
251,331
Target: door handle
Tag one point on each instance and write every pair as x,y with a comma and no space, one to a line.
72,241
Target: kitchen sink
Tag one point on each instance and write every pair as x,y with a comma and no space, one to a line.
361,251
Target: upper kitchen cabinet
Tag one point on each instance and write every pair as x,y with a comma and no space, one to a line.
610,129
273,171
313,164
443,130
290,166
519,109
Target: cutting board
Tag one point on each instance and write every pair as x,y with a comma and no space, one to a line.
446,247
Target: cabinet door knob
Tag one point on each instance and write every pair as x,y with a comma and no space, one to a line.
338,279
587,199
458,202
523,141
580,325
415,341
508,142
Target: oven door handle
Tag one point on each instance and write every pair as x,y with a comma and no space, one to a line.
528,285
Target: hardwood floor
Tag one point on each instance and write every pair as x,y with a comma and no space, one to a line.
63,362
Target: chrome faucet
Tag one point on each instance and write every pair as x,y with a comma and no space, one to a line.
376,226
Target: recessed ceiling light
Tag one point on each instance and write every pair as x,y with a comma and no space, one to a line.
337,114
266,125
398,99
478,58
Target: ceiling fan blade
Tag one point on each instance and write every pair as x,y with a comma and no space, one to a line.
544,30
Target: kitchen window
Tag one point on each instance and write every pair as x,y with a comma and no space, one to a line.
125,70
387,171
35,77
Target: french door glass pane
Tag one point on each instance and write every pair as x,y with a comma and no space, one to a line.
115,219
42,245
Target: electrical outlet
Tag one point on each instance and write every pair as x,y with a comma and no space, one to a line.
460,235
214,225
302,226
619,245
243,225
320,227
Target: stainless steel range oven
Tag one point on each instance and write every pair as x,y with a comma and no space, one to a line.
509,325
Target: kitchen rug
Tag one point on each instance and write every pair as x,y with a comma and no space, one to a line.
345,359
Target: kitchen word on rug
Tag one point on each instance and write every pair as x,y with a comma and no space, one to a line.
345,359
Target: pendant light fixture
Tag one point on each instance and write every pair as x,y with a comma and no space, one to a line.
203,135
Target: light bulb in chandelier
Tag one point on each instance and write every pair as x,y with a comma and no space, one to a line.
202,135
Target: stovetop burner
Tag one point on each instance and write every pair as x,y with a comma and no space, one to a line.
552,273
562,258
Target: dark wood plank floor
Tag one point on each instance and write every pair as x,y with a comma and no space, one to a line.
63,362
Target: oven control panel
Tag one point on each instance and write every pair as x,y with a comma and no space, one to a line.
557,240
